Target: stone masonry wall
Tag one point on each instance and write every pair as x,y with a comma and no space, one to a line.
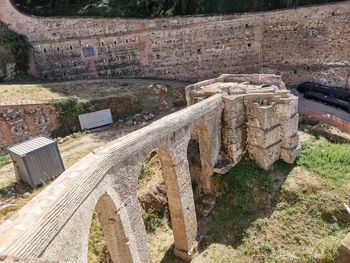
20,122
309,43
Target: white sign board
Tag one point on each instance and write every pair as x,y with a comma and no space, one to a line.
95,119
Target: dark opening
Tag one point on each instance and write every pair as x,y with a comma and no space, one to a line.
194,162
199,51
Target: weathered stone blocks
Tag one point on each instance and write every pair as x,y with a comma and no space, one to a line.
290,155
260,119
265,157
262,114
264,138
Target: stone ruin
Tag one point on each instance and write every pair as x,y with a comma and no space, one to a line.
229,116
260,117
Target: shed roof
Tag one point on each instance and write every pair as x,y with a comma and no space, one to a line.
30,145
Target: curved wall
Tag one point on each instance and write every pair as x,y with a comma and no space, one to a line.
309,43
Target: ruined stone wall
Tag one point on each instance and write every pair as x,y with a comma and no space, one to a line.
20,122
260,117
309,43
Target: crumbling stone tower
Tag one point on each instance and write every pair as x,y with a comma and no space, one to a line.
260,117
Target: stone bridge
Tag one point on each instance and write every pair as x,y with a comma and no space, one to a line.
230,116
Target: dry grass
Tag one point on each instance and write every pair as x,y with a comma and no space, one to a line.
84,90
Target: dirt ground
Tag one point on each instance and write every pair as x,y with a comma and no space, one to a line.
85,90
14,195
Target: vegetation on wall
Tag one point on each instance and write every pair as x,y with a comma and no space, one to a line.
67,110
153,8
14,48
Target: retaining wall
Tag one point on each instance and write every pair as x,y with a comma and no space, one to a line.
308,43
20,122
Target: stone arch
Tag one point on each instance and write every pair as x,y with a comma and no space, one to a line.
180,202
113,230
200,133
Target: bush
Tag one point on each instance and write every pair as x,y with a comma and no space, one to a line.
152,220
67,110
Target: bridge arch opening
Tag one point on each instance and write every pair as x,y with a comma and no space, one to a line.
161,204
199,163
107,240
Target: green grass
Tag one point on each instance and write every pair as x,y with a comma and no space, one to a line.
4,160
238,200
98,251
326,159
293,213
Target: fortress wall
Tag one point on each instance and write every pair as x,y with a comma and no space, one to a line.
309,43
23,121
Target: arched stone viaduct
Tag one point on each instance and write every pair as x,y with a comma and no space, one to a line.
229,120
55,225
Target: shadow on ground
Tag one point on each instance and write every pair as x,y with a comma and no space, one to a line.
247,194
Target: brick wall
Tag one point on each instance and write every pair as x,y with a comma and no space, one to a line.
20,122
308,43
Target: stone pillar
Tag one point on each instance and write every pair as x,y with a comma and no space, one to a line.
180,197
233,128
263,132
287,109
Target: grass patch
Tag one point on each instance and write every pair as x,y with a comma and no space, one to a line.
328,160
5,160
98,251
289,214
242,190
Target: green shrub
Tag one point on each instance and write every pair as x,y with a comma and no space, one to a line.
152,220
67,110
